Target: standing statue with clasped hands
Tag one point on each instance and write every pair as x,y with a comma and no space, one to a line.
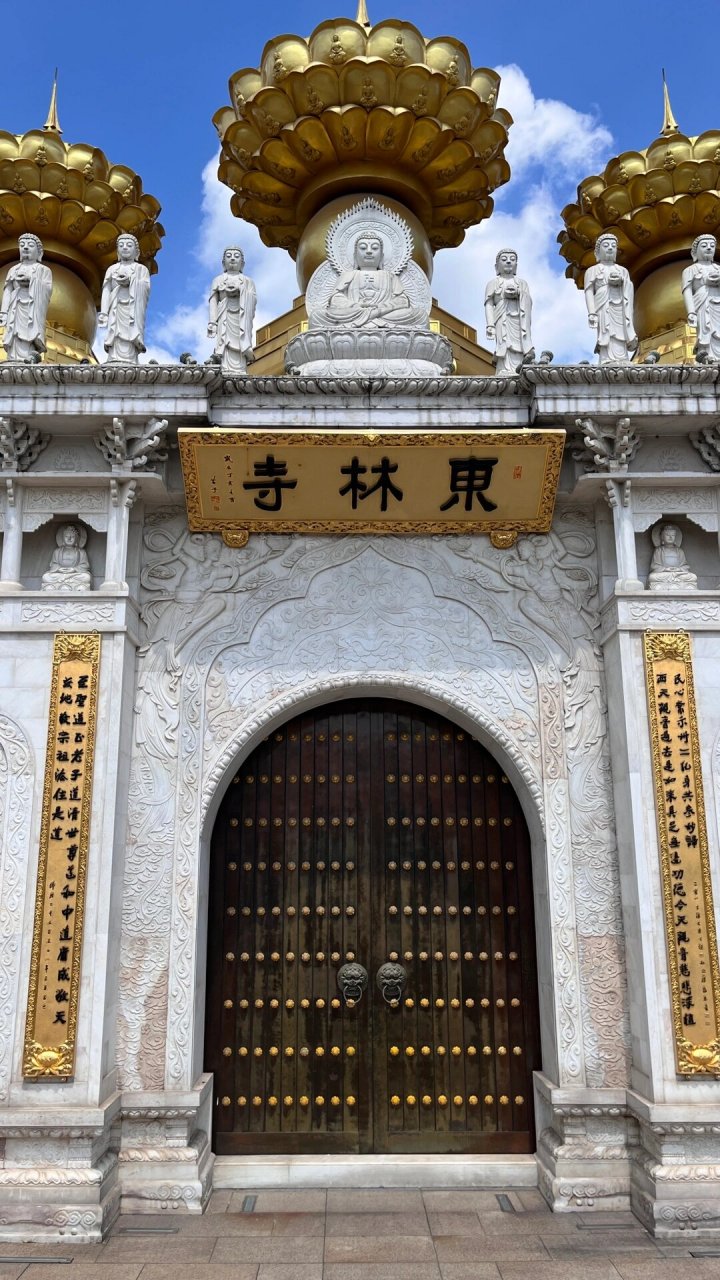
232,310
609,297
508,315
25,301
701,292
125,293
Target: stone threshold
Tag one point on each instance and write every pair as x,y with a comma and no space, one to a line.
429,1172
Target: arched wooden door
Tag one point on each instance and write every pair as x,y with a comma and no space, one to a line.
371,833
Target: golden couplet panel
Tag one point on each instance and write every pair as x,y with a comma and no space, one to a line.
252,481
51,1024
682,831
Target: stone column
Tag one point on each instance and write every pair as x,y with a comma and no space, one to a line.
12,538
675,1174
618,492
122,497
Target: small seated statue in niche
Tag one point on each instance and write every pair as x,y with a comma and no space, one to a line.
669,569
69,568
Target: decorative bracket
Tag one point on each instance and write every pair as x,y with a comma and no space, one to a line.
20,444
133,447
707,443
606,449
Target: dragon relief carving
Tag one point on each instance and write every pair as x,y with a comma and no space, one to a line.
233,644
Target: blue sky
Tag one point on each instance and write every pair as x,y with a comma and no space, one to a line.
582,80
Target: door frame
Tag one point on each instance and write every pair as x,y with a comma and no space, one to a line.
528,791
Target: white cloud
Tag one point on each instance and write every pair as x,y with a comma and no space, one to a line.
185,328
549,134
559,316
552,146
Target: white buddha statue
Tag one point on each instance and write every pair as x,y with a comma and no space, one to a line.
368,296
69,568
232,310
669,569
609,297
25,301
508,314
125,293
369,303
701,293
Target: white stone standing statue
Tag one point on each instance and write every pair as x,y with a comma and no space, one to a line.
701,293
69,568
125,293
233,299
609,296
508,314
669,569
25,301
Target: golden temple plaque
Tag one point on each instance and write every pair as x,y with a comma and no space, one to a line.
239,482
685,864
51,1025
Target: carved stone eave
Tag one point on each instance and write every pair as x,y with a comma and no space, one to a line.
101,375
632,375
539,375
411,387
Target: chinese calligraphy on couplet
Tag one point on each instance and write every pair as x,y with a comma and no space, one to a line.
60,899
687,888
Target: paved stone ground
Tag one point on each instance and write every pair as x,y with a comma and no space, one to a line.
369,1235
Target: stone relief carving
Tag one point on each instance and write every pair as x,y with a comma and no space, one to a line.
62,500
134,445
232,644
16,788
606,449
20,445
68,613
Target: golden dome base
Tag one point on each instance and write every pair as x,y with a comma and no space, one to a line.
674,344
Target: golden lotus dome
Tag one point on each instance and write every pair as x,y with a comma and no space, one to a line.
656,202
360,109
77,203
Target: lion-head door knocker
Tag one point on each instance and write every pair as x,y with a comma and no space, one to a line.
352,980
391,979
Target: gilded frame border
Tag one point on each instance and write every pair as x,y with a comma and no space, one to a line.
49,1061
502,533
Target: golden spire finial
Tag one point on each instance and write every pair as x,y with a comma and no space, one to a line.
362,15
670,124
52,124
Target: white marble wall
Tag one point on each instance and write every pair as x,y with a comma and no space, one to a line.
521,647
